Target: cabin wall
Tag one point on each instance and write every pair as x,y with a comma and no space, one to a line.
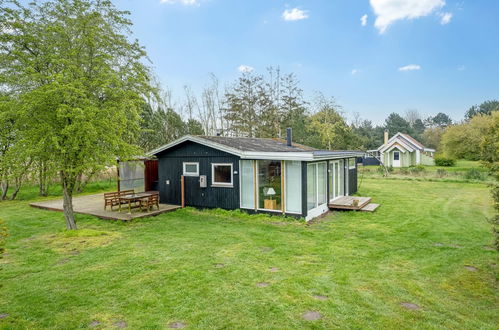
171,169
352,180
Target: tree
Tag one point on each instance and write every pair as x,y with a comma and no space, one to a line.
439,120
395,123
81,83
432,136
486,108
465,140
331,127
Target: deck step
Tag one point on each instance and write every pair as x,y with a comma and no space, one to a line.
347,203
371,207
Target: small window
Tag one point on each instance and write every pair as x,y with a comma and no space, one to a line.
191,169
221,175
396,155
351,163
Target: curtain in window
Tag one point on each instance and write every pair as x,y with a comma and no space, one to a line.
293,186
247,184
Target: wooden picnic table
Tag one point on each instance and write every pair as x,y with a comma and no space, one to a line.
133,198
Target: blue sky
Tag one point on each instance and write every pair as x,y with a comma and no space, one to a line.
429,55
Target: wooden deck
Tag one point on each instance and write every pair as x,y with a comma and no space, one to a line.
347,203
94,205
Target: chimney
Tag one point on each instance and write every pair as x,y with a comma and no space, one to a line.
289,136
386,136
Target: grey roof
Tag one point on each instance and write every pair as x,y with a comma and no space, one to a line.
258,144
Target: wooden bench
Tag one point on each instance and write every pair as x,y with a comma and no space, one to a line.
113,198
150,201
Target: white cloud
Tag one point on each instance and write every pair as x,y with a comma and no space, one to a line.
245,68
355,71
410,67
183,2
390,11
461,68
363,20
445,18
294,14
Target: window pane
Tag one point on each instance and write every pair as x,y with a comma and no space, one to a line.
293,186
191,168
247,184
223,174
341,181
322,183
311,186
396,155
269,184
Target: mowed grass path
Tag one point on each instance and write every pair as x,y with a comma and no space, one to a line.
203,269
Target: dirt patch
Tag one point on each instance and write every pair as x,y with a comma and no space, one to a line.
266,249
4,315
489,248
120,324
410,306
471,268
219,265
274,269
439,244
319,297
262,284
312,316
176,325
62,261
74,241
93,324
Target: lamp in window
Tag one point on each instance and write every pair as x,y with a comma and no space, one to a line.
270,204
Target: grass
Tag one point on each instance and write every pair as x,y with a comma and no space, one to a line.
201,268
457,173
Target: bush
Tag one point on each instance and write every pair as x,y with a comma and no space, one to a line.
416,169
473,174
441,173
404,171
444,161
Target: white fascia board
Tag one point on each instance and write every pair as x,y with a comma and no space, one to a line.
429,149
389,146
303,156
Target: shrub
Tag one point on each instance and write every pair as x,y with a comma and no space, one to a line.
473,174
416,169
404,171
444,161
441,173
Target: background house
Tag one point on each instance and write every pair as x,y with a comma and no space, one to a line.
402,150
254,174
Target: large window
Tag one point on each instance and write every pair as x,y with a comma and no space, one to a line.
269,185
191,169
292,185
221,175
351,163
316,185
247,184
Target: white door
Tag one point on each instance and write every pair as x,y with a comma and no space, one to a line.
396,159
334,180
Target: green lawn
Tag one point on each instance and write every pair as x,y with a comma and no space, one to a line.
202,268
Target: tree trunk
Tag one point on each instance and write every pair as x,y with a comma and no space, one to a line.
67,188
14,194
42,180
4,185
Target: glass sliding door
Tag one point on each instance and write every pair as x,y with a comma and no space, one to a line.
336,179
316,185
341,183
292,184
269,185
311,186
321,183
247,184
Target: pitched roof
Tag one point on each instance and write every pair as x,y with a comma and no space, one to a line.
257,144
261,148
404,138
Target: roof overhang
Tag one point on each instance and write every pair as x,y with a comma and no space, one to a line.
287,155
390,145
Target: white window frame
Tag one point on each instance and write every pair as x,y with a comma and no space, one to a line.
354,161
222,184
185,173
258,187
